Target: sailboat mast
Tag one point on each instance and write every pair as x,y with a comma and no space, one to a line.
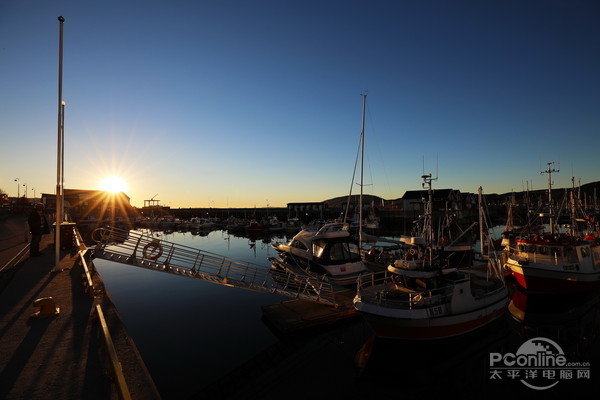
481,239
362,160
549,171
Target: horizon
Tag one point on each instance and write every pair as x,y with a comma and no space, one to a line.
332,198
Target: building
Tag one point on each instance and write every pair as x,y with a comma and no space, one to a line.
92,205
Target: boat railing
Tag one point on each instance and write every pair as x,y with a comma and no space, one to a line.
544,254
143,250
394,296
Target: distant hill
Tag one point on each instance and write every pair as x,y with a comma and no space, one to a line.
341,201
589,192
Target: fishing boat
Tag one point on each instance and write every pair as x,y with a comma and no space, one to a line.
329,251
425,295
555,262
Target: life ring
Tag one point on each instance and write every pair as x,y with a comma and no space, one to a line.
152,250
412,252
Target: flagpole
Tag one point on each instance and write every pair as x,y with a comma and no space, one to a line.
59,155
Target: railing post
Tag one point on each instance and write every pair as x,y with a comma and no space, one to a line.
132,257
195,261
168,260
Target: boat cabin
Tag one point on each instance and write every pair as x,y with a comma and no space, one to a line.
335,251
557,249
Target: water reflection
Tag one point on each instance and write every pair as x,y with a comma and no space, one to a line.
202,340
572,320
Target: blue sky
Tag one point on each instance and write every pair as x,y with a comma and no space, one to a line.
238,103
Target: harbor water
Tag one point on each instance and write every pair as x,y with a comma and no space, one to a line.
203,340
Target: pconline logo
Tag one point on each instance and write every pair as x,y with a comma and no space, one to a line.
539,363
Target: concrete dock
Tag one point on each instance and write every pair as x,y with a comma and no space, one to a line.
59,356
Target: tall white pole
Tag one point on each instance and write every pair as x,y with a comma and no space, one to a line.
362,161
59,154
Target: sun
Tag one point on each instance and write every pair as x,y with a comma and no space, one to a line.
113,184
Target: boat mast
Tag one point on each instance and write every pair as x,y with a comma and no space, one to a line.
549,171
427,223
574,200
362,160
480,198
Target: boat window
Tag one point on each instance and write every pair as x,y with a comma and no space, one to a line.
555,251
522,247
542,250
531,248
298,245
337,252
318,248
585,252
354,250
344,251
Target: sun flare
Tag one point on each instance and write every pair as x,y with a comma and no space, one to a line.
113,184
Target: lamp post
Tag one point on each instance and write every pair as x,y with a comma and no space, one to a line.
25,194
59,152
18,188
33,194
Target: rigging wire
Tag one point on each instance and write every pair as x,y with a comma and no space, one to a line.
352,183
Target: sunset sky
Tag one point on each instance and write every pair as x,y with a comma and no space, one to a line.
254,103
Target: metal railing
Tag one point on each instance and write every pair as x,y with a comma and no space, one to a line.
379,288
114,366
143,250
15,260
87,269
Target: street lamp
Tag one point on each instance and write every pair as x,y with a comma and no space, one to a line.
33,193
18,188
25,194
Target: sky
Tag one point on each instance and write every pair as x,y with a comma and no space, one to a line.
232,103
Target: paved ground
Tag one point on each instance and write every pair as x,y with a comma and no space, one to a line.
13,236
57,357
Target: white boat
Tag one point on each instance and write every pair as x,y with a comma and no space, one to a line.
200,223
424,296
330,251
556,262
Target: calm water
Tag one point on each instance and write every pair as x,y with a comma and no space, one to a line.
203,340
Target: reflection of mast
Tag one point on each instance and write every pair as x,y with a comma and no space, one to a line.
549,171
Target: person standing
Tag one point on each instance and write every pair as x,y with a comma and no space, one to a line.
38,226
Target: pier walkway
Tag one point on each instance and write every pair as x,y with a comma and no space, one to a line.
58,356
144,251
